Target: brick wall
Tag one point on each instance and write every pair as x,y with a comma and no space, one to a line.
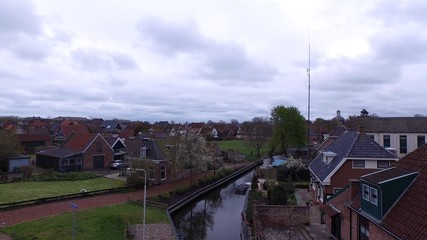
278,217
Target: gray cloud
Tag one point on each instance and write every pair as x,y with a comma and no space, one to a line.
18,16
97,60
215,60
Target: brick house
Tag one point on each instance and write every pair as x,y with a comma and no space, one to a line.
149,155
79,152
402,134
350,156
387,204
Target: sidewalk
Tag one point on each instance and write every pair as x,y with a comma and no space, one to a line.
30,213
316,229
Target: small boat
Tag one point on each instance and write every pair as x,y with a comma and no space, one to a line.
241,188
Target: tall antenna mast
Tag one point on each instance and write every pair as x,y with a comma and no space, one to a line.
309,86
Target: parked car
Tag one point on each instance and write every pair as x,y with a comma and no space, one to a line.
116,164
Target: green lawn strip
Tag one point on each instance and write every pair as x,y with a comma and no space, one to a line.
243,147
22,191
97,223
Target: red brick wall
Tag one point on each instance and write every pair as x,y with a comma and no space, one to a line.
107,152
346,172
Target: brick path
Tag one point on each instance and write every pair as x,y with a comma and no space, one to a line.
30,213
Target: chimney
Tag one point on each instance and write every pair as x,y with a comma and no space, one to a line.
361,129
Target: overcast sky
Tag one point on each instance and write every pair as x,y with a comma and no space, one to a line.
211,59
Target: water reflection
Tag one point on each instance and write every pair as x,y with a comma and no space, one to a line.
215,216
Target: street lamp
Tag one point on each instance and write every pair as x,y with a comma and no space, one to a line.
145,197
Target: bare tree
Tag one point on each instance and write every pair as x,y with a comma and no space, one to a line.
257,133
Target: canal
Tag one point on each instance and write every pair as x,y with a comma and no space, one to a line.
217,215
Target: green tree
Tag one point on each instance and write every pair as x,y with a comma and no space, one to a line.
289,128
257,133
9,145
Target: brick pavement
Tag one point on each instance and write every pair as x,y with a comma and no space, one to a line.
315,229
30,213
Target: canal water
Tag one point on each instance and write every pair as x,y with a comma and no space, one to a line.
217,215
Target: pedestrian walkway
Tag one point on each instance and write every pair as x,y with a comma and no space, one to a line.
315,229
34,212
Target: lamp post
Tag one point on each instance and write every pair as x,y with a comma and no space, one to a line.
145,198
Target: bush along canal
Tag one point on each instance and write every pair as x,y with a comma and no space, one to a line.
217,214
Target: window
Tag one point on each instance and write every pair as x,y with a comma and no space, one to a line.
365,193
151,172
163,172
374,196
358,163
371,136
421,140
363,228
99,147
403,144
143,152
386,140
336,190
383,164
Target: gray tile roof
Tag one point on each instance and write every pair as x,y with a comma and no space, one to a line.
350,144
390,124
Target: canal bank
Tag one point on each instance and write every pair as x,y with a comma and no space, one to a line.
202,205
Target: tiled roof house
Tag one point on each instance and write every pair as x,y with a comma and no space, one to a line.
387,204
350,156
79,152
403,134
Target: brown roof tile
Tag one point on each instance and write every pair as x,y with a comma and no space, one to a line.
410,210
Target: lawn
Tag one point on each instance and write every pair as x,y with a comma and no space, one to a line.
97,223
243,147
22,191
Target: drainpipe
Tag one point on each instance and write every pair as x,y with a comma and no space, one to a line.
351,222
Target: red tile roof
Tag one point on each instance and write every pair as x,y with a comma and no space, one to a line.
68,129
408,218
79,142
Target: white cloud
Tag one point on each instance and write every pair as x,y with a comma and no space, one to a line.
218,60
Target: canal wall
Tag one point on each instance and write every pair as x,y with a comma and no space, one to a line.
201,192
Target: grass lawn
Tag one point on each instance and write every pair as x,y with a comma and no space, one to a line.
21,191
97,223
243,147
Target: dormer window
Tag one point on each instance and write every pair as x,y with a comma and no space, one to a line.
374,196
365,192
328,156
143,153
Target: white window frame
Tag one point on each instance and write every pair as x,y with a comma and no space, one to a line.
161,171
368,194
378,164
373,197
364,164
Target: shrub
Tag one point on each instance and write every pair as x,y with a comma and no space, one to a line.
202,181
67,176
268,184
277,195
180,189
165,195
289,187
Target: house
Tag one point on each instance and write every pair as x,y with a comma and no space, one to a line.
147,154
79,152
16,162
118,145
350,156
38,127
402,134
387,204
331,138
30,142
